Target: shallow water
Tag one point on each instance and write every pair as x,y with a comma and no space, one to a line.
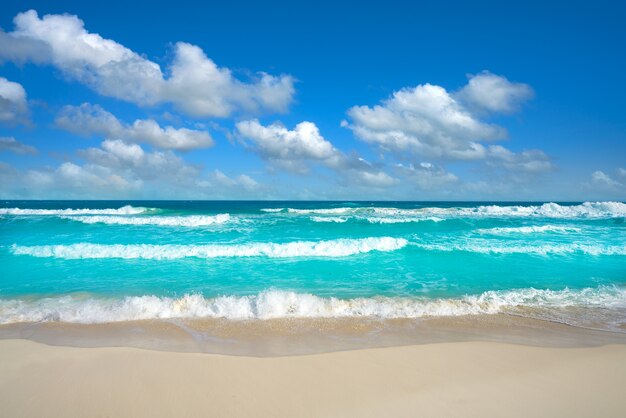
101,262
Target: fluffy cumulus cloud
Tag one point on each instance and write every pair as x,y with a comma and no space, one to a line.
201,88
494,93
88,119
424,120
117,169
11,144
429,122
289,148
13,104
195,85
420,131
297,149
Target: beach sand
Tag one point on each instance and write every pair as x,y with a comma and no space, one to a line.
431,380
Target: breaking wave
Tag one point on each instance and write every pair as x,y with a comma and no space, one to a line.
124,210
542,249
547,210
373,219
329,219
387,220
529,229
330,248
553,210
281,304
184,221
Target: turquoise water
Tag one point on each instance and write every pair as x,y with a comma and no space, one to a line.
86,261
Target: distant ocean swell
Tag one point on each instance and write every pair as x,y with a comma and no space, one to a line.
282,304
546,210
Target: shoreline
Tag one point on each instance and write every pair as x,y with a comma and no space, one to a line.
293,337
441,379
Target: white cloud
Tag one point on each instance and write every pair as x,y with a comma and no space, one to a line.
527,161
425,120
297,149
279,144
12,145
428,176
241,181
603,180
88,119
196,84
201,88
118,169
376,178
494,93
139,170
429,122
13,105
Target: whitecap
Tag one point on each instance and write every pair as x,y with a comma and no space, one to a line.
535,249
284,304
182,221
529,229
329,248
124,210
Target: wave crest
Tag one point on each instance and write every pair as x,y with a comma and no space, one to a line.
545,249
330,248
529,229
373,219
124,210
281,304
184,221
547,210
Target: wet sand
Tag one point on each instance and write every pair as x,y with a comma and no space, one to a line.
286,337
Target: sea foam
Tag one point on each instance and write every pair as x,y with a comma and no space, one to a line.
329,219
124,210
536,249
547,210
330,248
529,229
283,304
374,219
183,221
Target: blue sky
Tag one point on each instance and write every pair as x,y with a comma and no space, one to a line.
313,100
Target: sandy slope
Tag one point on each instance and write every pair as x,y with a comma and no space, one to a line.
447,379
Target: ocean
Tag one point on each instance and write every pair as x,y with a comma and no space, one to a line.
110,261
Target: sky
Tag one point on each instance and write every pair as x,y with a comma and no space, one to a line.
314,100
